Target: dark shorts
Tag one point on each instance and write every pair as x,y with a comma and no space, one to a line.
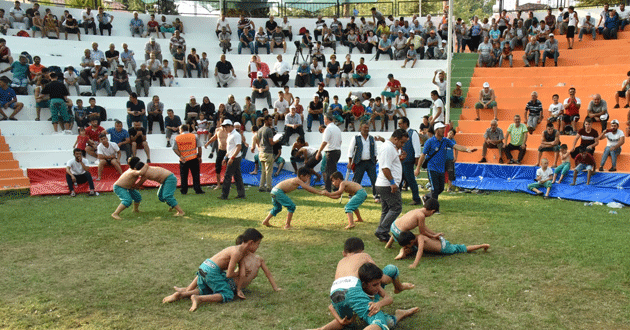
72,30
554,149
571,32
450,169
4,60
621,93
569,118
312,162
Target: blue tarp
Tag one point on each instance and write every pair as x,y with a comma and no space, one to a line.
604,187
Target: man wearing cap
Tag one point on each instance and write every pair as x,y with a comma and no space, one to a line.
303,75
394,88
433,42
615,139
233,162
550,50
411,150
435,153
260,89
188,148
331,145
100,79
280,72
416,41
588,27
487,100
222,71
152,47
598,111
457,98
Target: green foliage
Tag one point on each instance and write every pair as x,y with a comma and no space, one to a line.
594,3
466,9
83,3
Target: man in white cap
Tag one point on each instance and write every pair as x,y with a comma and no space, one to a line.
99,79
457,97
434,152
486,100
152,47
551,50
260,89
588,27
233,162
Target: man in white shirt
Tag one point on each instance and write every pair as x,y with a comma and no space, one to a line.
362,157
280,72
292,125
280,108
233,162
108,154
222,23
387,181
331,145
87,20
588,26
17,14
286,28
624,16
316,72
437,109
78,172
613,147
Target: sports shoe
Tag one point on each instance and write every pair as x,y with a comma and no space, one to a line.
483,160
616,106
73,194
612,169
168,144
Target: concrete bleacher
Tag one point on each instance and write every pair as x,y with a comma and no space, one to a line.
34,146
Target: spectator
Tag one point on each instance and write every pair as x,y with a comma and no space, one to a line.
188,148
550,20
572,106
319,27
154,113
172,124
51,23
100,79
136,26
433,44
70,25
550,50
361,75
261,40
572,21
277,40
307,41
98,55
280,72
584,161
222,71
153,26
104,21
260,89
532,52
400,46
5,23
623,93
120,137
37,24
246,41
437,109
222,23
457,98
369,43
598,111
167,75
207,108
384,47
518,36
286,28
127,58
316,72
175,42
20,70
624,16
611,26
244,23
486,100
544,177
315,111
179,62
78,172
440,83
506,53
87,20
224,40
138,135
534,107
36,70
516,139
329,40
166,27
113,57
233,109
394,88
412,55
192,109
588,27
93,132
555,111
323,94
336,28
303,75
280,108
550,141
155,67
318,53
96,112
143,80
332,70
80,115
347,73
492,138
121,80
362,157
615,139
560,23
152,48
292,125
178,25
8,99
352,41
249,112
136,111
108,154
193,63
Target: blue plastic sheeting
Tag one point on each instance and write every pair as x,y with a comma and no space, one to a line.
604,187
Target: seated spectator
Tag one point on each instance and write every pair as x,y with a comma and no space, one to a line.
138,135
87,20
315,112
120,137
178,25
611,25
615,139
233,110
224,40
319,27
154,114
5,23
516,139
323,94
416,42
352,41
20,72
285,25
104,21
175,42
588,27
246,40
143,80
155,67
136,26
624,16
121,80
260,89
303,75
493,138
193,63
270,26
113,57
207,108
136,111
347,72
550,141
277,40
544,177
486,100
153,26
550,50
550,20
249,113
152,48
17,14
192,109
80,115
78,172
400,46
244,23
316,72
93,132
534,108
584,162
100,79
555,111
108,154
171,124
383,29
457,98
598,111
336,28
332,70
222,71
384,47
329,40
261,40
572,106
506,53
519,36
71,25
317,52
38,25
623,93
51,23
179,62
280,108
222,23
394,88
8,99
127,58
96,112
361,75
36,70
485,53
280,72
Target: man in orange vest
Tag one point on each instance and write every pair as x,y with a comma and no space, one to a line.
188,148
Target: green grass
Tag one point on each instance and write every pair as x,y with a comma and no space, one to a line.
552,264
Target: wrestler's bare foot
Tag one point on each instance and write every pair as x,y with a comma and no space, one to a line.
170,209
136,211
195,301
253,172
288,227
485,247
115,216
402,313
266,224
179,214
350,226
217,186
400,255
359,220
169,299
405,286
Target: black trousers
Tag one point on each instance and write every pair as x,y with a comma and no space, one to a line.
106,26
508,152
288,131
277,78
437,184
153,118
332,158
361,168
191,166
233,171
81,178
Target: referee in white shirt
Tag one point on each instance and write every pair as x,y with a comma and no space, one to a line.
233,162
331,144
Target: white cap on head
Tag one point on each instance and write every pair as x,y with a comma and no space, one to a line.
152,39
486,84
438,126
259,74
226,122
237,124
551,34
615,121
458,84
588,14
97,62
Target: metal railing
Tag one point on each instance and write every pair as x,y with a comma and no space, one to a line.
310,9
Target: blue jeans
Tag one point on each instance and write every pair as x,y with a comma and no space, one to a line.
613,156
316,76
437,184
550,54
258,44
310,117
241,45
410,178
190,67
585,31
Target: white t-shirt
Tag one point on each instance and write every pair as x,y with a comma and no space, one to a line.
441,87
18,13
85,15
554,109
317,69
282,106
222,24
437,104
623,14
233,140
332,135
285,25
388,158
109,151
71,76
544,175
613,138
572,20
75,167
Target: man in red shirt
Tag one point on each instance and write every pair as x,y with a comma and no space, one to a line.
93,131
572,106
584,161
36,68
394,88
361,75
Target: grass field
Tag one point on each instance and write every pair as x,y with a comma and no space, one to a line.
553,264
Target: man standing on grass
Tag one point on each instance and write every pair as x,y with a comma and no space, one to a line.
331,144
232,162
188,148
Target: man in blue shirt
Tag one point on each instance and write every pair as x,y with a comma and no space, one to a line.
260,89
384,47
435,152
8,99
120,136
20,72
